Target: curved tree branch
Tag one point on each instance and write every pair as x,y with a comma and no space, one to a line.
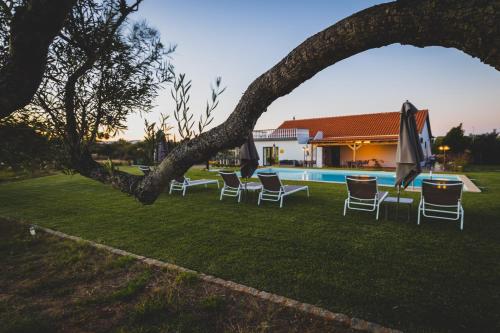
33,27
472,26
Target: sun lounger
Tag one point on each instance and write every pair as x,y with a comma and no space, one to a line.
363,194
274,190
233,185
145,169
441,199
182,183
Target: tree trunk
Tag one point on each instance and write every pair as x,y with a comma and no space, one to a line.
472,26
33,27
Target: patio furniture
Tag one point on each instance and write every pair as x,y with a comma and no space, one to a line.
394,200
145,169
182,183
274,190
233,187
442,199
363,194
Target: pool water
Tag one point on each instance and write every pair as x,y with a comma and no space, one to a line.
384,178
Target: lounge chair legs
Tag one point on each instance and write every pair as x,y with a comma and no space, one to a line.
462,218
418,219
345,206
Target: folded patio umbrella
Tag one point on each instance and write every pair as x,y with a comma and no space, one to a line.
409,154
249,158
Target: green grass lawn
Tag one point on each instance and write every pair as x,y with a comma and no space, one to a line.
430,278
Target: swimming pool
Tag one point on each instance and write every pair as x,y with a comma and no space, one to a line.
384,178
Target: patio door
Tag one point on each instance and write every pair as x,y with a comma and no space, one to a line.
331,156
268,155
335,156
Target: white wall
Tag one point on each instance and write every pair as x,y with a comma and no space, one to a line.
319,157
426,144
292,150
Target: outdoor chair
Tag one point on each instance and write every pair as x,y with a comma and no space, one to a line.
233,185
145,169
363,194
182,183
274,190
442,199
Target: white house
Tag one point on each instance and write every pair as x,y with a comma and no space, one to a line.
366,139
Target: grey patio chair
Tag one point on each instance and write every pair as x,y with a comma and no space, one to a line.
233,187
363,194
182,183
274,190
442,199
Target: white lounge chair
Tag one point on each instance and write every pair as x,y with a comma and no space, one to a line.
145,169
274,190
182,183
233,187
442,199
363,194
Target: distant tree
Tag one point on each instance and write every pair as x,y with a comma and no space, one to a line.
485,148
456,140
438,141
26,146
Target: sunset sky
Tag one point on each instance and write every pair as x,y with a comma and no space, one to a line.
239,40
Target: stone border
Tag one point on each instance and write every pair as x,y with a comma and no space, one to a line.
342,319
469,185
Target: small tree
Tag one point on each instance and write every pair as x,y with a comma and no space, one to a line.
182,112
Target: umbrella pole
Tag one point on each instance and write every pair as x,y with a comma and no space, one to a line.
397,204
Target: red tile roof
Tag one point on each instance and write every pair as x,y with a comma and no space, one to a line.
370,126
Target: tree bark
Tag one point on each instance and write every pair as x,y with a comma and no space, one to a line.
33,27
472,26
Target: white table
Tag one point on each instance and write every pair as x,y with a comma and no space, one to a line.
404,201
251,186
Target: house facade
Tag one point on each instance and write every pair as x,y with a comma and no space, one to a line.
361,140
